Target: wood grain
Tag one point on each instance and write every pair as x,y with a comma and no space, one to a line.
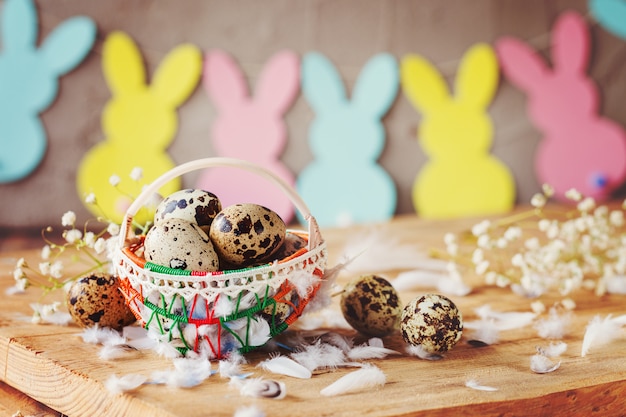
54,366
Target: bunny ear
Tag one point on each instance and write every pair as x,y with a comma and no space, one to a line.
520,64
68,44
19,24
377,85
422,83
477,78
570,43
321,84
122,64
177,76
279,82
224,80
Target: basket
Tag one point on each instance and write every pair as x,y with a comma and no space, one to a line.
218,312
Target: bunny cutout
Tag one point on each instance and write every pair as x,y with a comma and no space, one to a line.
344,184
29,81
611,14
139,122
461,178
250,128
579,149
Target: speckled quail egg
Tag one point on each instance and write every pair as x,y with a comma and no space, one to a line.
195,206
179,244
293,243
371,305
246,234
95,299
432,322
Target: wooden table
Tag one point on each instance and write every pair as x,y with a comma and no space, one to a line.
52,365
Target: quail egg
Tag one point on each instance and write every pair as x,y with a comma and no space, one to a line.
95,299
433,322
179,244
293,243
246,234
371,305
195,206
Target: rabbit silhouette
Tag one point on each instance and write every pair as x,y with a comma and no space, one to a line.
250,128
344,184
139,122
579,149
29,81
461,178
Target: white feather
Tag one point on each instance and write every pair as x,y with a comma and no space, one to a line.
261,388
323,297
284,366
600,332
129,382
555,326
540,364
474,384
249,411
554,350
186,373
506,320
230,367
442,281
484,330
102,335
365,378
320,355
374,349
111,352
421,353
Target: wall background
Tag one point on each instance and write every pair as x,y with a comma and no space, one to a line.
348,32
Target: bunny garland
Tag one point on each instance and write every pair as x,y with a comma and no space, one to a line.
250,128
611,14
139,122
461,177
344,184
580,149
29,81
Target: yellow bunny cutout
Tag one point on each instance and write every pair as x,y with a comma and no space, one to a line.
461,178
139,121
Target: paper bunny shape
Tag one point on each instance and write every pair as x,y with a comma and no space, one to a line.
29,81
344,183
461,178
250,128
611,14
139,122
579,149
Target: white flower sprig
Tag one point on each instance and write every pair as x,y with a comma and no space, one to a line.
538,250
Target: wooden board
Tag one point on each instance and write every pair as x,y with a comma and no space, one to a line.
52,365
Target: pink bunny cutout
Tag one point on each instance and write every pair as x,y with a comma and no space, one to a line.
250,128
580,149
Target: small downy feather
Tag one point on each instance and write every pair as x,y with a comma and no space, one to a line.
186,373
369,376
249,411
441,280
601,332
421,353
102,335
555,326
129,382
374,349
110,352
541,364
553,350
474,384
285,366
320,355
261,388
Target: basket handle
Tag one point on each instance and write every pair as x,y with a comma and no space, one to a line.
315,237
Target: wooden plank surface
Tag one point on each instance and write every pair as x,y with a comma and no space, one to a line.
55,367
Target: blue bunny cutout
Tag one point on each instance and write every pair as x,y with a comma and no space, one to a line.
344,184
611,14
29,81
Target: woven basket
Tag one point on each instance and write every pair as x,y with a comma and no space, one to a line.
217,312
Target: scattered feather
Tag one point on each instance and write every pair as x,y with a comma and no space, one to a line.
541,364
474,384
484,331
129,382
111,352
616,285
323,297
186,373
555,326
552,351
325,318
285,366
320,355
601,332
365,378
344,343
262,388
373,350
102,335
249,411
440,280
231,366
421,353
505,320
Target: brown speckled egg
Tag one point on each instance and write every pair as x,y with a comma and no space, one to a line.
371,305
179,244
96,299
432,322
246,234
293,243
195,206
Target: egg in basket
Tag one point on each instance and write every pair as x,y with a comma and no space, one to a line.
231,284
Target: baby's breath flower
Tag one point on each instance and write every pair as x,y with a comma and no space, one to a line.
45,252
587,204
56,270
616,218
482,267
114,180
449,238
512,233
21,263
113,229
100,245
18,273
72,236
89,239
538,200
44,268
91,198
478,256
573,194
68,219
481,228
136,174
548,190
